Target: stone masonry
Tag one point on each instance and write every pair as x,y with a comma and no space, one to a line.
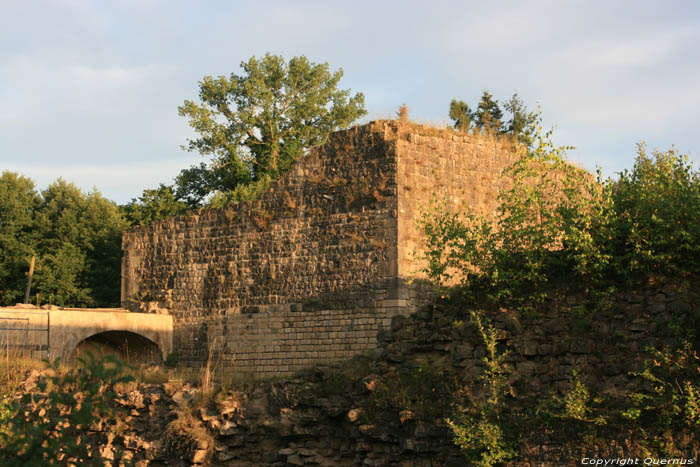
310,272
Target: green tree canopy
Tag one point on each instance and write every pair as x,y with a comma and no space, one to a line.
75,237
488,114
461,114
489,117
153,205
18,206
259,122
657,212
522,122
79,247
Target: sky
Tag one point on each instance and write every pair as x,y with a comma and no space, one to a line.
89,90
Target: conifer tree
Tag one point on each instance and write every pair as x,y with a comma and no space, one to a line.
461,114
488,115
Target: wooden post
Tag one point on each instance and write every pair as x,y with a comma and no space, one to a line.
29,280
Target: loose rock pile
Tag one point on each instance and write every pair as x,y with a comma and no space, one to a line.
389,408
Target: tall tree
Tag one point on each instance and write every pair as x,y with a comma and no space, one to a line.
104,223
18,205
259,122
461,114
488,114
521,125
79,250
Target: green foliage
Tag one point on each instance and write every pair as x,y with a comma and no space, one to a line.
241,193
79,251
657,215
172,360
479,428
488,117
495,376
547,223
49,427
461,114
194,185
154,205
558,223
577,404
671,400
18,209
451,245
488,114
482,440
557,220
5,416
76,238
521,123
256,124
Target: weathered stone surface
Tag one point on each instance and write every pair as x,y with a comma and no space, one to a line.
314,269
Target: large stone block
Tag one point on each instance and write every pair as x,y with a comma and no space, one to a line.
323,255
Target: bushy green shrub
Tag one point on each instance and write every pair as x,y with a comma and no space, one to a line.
577,404
172,360
547,222
243,192
557,220
657,215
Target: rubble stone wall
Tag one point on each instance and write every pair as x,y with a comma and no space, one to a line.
312,270
344,414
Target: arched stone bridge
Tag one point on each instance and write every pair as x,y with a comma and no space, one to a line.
63,333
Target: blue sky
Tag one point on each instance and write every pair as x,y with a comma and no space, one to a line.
89,90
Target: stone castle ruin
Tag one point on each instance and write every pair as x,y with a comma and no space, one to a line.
310,272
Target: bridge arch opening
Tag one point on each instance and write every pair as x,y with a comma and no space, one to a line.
130,347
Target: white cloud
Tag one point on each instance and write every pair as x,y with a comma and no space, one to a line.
36,90
95,78
638,84
502,28
636,51
85,81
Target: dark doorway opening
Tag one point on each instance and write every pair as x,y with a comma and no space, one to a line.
128,346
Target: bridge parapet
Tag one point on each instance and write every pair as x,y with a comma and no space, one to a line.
24,332
57,333
68,328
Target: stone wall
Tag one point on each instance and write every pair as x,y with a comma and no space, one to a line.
357,413
313,269
286,338
463,171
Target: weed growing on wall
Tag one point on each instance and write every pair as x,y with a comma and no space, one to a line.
670,401
579,404
479,428
186,434
240,193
